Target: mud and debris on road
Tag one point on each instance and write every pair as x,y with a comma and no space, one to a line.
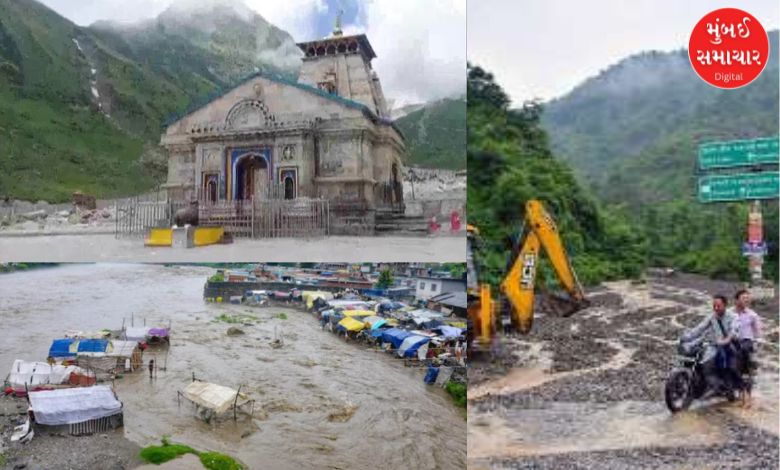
586,392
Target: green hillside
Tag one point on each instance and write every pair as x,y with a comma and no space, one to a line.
632,134
436,134
64,127
510,162
52,139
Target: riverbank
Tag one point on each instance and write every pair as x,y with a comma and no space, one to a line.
587,391
109,450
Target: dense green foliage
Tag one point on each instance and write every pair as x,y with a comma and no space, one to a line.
385,280
54,138
436,135
510,162
632,133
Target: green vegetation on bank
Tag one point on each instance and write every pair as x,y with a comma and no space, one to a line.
13,267
510,162
458,393
168,451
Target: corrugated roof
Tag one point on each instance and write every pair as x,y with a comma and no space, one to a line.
452,299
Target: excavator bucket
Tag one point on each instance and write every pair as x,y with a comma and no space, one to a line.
560,305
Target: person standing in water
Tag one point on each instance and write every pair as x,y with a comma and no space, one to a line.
749,330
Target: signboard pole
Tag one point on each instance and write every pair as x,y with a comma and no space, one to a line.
755,237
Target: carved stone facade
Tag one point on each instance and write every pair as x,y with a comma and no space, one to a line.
294,138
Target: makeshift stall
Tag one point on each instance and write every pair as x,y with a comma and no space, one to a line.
212,400
310,296
374,322
32,376
128,355
118,357
350,324
395,336
411,344
63,349
82,410
150,335
358,313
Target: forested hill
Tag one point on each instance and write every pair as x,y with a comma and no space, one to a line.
655,103
510,162
436,134
631,134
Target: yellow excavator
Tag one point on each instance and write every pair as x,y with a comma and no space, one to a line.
518,286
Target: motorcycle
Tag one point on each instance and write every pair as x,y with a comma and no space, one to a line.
688,381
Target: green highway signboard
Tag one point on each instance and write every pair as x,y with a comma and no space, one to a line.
736,153
739,187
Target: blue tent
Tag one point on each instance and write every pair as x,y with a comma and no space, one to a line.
93,345
61,348
411,344
449,331
395,336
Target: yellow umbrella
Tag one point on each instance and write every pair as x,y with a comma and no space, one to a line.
350,324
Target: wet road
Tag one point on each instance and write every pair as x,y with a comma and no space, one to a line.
320,403
105,248
587,392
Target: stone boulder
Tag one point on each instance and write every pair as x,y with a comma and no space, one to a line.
234,331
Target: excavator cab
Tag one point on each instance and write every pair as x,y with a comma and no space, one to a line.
481,312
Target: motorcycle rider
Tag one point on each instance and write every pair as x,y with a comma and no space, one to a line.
720,329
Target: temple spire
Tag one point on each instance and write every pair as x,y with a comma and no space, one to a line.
337,27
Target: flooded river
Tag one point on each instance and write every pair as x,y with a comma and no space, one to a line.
321,403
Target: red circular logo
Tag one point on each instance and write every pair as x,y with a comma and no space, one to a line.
728,48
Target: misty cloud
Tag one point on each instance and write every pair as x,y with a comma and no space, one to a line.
420,45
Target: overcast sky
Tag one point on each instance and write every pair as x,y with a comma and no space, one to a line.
421,47
544,48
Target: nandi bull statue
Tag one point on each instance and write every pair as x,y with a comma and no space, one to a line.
187,215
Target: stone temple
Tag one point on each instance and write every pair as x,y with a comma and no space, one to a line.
327,135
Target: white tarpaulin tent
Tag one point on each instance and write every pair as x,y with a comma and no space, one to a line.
214,397
136,333
39,373
119,348
74,405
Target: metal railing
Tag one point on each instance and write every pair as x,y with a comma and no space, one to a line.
259,218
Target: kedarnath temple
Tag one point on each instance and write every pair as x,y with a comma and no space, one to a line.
327,134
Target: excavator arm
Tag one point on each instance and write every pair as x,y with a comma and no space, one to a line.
518,285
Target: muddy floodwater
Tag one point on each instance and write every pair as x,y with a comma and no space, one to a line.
587,391
321,403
